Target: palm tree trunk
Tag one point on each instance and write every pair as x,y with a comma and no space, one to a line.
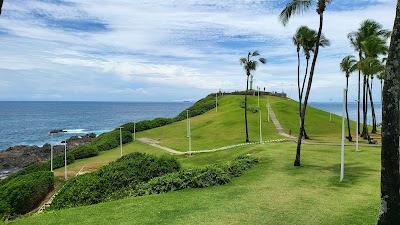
303,111
365,110
302,91
390,182
347,110
245,106
372,110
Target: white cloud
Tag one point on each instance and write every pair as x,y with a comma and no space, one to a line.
140,44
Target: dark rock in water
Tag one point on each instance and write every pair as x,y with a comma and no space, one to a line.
23,155
57,131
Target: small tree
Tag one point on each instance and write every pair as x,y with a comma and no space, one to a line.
348,65
249,64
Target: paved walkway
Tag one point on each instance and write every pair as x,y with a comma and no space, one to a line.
154,143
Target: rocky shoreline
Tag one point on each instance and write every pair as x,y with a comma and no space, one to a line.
17,157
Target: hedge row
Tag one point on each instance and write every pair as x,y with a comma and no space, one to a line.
130,170
200,107
191,178
25,193
110,140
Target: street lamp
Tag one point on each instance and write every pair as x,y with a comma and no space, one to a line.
342,149
258,89
190,140
120,138
260,129
51,153
187,123
65,160
330,110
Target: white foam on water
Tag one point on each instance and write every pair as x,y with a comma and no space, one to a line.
75,131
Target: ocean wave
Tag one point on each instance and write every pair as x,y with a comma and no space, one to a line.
75,131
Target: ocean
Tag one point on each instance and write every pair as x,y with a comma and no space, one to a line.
336,108
29,123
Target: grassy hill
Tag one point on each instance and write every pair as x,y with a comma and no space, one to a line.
272,192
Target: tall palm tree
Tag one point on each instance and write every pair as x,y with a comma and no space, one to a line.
367,28
306,38
348,65
298,7
390,182
381,78
249,64
373,46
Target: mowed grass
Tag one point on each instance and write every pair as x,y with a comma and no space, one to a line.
317,123
272,192
217,129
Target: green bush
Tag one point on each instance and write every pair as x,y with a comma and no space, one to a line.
59,160
35,167
26,192
110,140
130,170
84,151
200,107
241,163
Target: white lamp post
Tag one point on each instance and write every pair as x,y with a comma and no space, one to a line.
190,140
120,139
258,88
187,123
260,129
268,107
51,153
65,160
330,109
342,149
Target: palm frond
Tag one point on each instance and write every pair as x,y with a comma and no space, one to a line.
263,60
242,61
255,53
292,8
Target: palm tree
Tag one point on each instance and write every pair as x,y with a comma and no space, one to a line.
306,39
390,182
367,28
249,64
348,65
298,7
381,78
373,46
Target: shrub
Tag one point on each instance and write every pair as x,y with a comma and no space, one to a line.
241,163
110,140
59,160
25,192
129,170
84,151
34,167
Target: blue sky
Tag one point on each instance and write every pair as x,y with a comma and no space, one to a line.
121,50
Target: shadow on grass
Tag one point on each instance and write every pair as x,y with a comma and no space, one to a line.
354,173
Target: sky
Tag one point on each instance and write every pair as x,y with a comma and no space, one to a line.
169,50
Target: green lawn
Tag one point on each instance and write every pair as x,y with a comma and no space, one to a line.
272,192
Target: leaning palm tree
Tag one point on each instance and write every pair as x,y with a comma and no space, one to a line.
306,39
298,7
249,64
348,65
